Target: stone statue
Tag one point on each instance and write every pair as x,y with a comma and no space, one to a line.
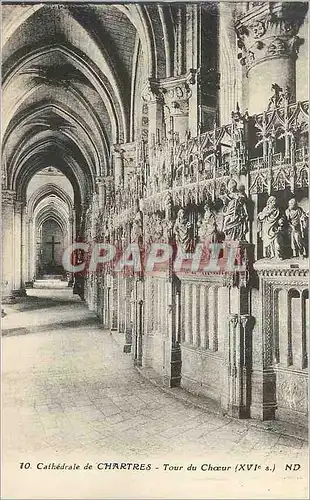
271,229
207,227
137,228
182,230
153,229
236,218
297,220
279,96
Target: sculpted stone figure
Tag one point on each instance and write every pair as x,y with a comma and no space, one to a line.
137,228
235,224
182,231
271,229
153,229
297,220
208,230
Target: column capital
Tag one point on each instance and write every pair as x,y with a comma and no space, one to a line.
19,205
176,92
150,91
169,90
118,150
269,32
8,197
100,180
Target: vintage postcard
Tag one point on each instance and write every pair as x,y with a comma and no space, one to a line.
155,303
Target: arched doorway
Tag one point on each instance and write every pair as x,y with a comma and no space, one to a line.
51,248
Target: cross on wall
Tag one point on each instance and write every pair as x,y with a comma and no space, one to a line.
53,243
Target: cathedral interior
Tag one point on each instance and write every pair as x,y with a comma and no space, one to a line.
168,123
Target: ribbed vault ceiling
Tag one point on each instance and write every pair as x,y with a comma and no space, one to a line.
67,83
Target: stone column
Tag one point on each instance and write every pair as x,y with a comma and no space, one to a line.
25,245
71,239
236,396
196,308
101,191
192,27
263,378
187,313
108,301
268,41
32,249
172,375
128,326
283,305
138,321
305,327
8,201
118,165
296,329
213,318
204,317
17,248
153,98
114,310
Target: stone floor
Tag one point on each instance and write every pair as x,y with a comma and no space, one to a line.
68,390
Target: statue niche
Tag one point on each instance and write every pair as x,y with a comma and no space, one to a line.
207,227
297,222
271,230
235,213
137,228
183,232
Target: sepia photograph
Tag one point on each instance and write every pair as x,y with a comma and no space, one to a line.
154,228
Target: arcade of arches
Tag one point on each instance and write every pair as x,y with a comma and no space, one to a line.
118,116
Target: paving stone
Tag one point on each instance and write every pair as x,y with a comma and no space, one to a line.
73,389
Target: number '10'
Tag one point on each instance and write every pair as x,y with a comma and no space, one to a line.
24,465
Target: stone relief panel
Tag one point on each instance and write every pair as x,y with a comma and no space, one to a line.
292,391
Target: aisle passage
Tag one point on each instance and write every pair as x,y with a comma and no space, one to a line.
67,387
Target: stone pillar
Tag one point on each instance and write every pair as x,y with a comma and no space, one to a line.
222,311
213,318
296,330
196,308
263,378
28,243
114,309
8,201
101,191
25,246
118,165
17,248
153,98
138,326
193,65
172,375
32,249
128,325
107,301
230,92
305,327
71,239
204,317
269,43
283,326
188,335
236,396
